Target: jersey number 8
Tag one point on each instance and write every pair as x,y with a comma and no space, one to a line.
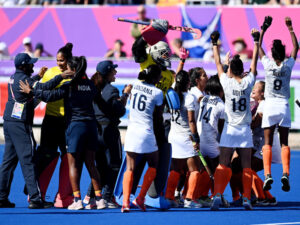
277,84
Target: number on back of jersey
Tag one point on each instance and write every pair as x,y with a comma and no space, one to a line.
205,114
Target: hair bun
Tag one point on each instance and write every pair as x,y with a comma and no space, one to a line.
69,46
277,42
236,57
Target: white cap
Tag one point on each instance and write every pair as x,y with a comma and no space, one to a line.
2,46
26,40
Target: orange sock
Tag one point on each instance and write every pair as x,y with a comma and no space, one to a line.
267,158
247,182
194,176
172,184
148,179
236,185
285,158
204,185
268,195
222,177
186,185
127,186
257,186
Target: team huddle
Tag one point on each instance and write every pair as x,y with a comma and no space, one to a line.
213,131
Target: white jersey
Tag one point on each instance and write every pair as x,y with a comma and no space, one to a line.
140,134
211,110
179,136
179,118
237,99
197,94
278,77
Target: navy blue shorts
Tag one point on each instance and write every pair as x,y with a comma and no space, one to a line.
82,136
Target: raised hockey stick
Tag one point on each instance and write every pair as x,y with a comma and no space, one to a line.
195,31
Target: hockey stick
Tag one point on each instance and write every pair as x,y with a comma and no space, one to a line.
211,176
178,28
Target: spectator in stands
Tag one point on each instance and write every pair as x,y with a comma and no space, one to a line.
176,44
27,46
50,2
40,51
8,3
136,28
3,50
240,47
116,52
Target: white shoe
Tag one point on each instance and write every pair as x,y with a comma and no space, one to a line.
91,204
191,204
86,199
100,204
76,205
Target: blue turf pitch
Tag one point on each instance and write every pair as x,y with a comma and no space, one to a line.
287,211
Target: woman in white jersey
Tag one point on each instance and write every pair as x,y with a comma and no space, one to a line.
184,140
209,125
236,133
277,110
146,100
198,83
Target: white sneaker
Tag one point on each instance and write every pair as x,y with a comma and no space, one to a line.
91,204
111,205
100,204
86,199
76,205
191,204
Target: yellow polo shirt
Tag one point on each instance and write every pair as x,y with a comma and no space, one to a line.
54,108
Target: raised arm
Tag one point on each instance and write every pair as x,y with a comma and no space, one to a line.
289,25
214,39
184,54
255,34
267,23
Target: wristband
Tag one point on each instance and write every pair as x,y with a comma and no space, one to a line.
125,95
215,44
196,137
182,60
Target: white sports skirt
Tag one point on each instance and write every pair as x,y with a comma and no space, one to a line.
210,150
276,112
140,140
182,146
237,136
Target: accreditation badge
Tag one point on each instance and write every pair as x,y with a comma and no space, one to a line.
17,110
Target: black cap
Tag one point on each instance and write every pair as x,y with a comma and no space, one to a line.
105,67
24,59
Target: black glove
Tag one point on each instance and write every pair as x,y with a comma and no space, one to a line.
267,23
160,25
215,37
255,36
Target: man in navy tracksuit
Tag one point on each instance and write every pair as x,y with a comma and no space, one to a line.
19,141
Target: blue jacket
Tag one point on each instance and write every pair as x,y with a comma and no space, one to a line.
112,109
15,95
78,99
